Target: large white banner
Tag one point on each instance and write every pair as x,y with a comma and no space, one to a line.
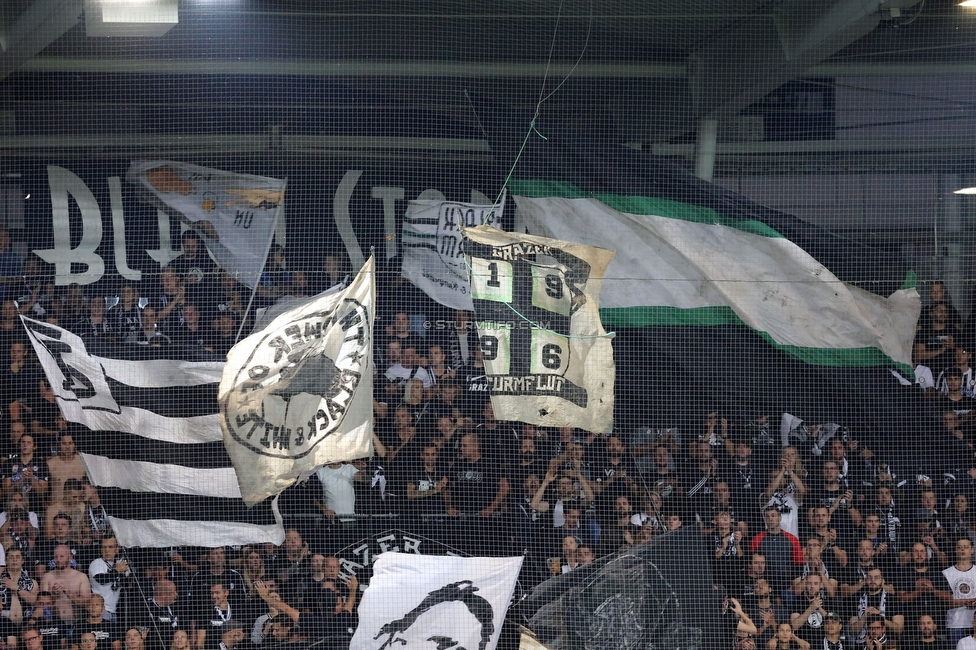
435,601
299,393
433,247
235,214
548,359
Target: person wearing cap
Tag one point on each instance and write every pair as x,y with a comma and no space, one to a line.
834,637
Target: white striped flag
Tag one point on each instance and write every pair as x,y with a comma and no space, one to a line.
154,446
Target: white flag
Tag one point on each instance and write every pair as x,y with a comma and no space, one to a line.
299,393
458,602
235,214
153,446
433,250
548,359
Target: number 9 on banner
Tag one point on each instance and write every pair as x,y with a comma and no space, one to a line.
550,353
496,347
549,290
491,280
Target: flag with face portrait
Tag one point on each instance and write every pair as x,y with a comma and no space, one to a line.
435,601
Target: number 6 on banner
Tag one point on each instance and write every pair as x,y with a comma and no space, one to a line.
550,353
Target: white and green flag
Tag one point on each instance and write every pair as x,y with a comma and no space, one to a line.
677,264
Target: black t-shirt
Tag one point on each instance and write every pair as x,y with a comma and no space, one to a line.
474,485
934,339
211,619
13,468
203,580
51,628
812,631
162,622
124,324
105,632
425,482
888,604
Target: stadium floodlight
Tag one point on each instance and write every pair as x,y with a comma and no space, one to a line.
145,18
966,190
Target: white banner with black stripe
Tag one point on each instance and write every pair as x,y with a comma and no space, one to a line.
433,250
548,359
153,444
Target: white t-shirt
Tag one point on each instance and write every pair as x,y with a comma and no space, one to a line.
966,643
963,586
110,592
340,497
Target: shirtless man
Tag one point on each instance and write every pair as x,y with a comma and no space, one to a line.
69,586
66,464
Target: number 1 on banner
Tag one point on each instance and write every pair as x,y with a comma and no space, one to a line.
550,353
491,280
496,341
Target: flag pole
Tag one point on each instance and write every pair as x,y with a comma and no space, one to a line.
267,250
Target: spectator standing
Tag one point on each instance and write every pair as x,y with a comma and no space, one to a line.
108,577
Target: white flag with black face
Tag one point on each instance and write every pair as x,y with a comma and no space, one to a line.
297,395
435,601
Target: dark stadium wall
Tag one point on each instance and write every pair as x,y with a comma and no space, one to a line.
311,205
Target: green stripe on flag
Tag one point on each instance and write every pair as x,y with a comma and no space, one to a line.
640,205
710,316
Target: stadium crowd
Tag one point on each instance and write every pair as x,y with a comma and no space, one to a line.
816,539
